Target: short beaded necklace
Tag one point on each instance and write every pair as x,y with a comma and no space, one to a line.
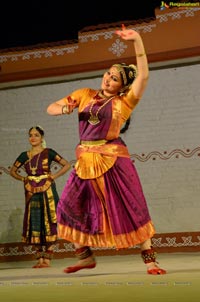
94,119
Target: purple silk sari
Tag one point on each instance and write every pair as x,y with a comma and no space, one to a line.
108,210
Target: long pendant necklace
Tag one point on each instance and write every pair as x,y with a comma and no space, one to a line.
94,119
34,169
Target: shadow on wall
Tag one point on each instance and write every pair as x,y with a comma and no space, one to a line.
14,229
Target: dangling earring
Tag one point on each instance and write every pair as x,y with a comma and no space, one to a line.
44,143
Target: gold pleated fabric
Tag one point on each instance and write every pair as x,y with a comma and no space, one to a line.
107,239
93,161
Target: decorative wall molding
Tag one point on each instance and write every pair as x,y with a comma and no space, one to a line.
176,154
38,54
63,59
48,52
189,12
163,243
93,37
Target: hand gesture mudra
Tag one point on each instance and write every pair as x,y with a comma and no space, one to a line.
127,34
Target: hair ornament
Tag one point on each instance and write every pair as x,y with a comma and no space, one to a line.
40,127
133,71
128,73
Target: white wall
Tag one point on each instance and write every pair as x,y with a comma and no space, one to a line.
163,139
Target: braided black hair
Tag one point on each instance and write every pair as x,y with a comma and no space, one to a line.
126,126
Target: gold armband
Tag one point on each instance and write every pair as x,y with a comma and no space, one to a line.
65,109
141,54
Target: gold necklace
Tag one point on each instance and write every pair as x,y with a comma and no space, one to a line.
34,169
94,119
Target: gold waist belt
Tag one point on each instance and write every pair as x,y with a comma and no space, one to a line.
94,143
38,178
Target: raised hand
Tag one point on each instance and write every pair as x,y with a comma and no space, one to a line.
127,34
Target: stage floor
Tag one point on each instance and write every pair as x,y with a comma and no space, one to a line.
115,278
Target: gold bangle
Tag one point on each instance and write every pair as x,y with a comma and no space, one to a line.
140,54
65,109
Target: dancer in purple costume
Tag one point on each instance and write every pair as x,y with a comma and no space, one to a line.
102,204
